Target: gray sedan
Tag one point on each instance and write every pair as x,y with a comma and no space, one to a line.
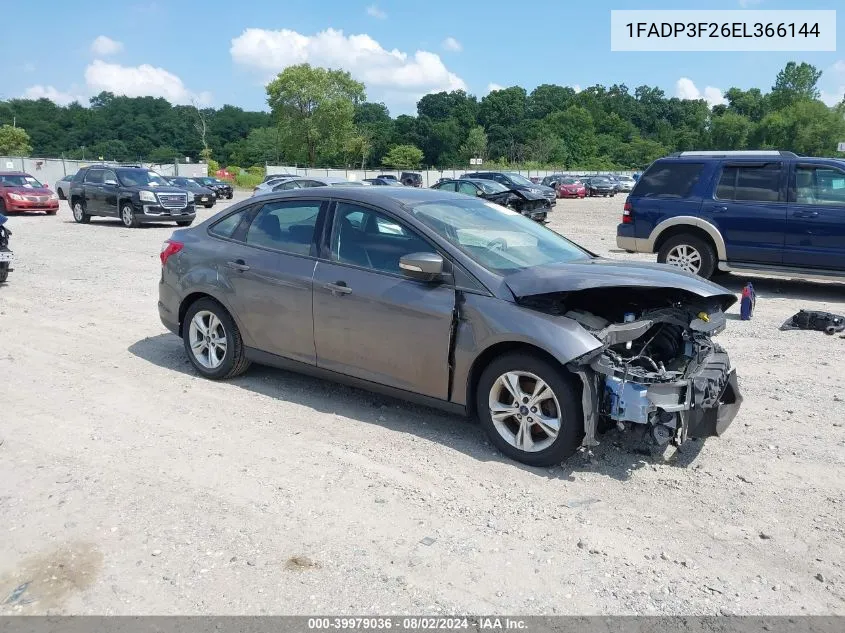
457,303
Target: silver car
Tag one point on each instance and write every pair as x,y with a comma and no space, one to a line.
304,182
457,303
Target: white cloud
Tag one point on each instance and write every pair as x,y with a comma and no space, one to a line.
103,46
576,87
833,91
375,12
49,92
493,87
747,4
380,70
838,67
29,67
685,88
140,81
453,45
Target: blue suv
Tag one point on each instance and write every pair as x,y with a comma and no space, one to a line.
769,212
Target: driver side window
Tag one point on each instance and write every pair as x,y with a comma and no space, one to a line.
364,237
468,188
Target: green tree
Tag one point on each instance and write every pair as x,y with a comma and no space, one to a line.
403,157
476,144
315,107
730,131
796,82
14,141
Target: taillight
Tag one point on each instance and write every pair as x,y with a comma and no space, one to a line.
627,214
170,247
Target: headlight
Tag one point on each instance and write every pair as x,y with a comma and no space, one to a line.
53,196
146,196
16,196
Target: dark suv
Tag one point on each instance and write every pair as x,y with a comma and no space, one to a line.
135,195
512,180
768,212
411,179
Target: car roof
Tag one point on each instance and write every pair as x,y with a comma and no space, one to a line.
14,173
373,195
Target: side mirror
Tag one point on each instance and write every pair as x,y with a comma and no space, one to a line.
422,266
110,183
478,192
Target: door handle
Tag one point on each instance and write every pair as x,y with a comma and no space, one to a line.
339,288
806,214
238,264
720,209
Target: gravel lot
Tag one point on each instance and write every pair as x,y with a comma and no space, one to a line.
128,485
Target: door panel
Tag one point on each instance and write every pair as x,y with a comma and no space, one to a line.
371,322
816,222
109,201
749,208
93,188
270,277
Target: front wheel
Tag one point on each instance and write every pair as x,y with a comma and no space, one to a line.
529,410
213,341
4,272
689,253
184,222
127,216
51,212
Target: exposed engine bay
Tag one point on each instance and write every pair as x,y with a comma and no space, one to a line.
658,367
523,202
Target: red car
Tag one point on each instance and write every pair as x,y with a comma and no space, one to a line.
571,188
20,192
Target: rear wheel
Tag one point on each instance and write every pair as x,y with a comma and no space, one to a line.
79,214
529,410
213,341
690,253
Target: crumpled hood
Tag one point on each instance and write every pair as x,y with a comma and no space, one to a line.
607,273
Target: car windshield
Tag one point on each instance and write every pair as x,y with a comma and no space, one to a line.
501,240
349,183
140,178
600,181
570,181
18,180
491,186
519,180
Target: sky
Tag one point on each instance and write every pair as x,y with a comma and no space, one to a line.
218,52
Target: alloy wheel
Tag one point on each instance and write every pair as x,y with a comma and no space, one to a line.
126,216
208,339
525,411
78,213
685,257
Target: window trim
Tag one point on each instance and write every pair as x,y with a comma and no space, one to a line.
782,195
793,183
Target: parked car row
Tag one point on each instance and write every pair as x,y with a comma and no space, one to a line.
569,186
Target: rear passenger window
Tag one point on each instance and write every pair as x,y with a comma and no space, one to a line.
754,184
819,185
668,180
285,226
447,186
228,225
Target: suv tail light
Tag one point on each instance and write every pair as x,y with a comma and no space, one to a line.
170,247
627,214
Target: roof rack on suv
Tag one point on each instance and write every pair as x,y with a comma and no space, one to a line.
748,152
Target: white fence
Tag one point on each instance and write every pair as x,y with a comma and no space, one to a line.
429,177
49,170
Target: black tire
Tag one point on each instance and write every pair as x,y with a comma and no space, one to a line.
705,250
571,431
4,272
51,212
184,222
128,217
208,206
79,214
230,196
61,193
235,361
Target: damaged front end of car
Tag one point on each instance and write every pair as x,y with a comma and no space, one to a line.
534,206
658,368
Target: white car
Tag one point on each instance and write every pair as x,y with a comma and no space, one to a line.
62,187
